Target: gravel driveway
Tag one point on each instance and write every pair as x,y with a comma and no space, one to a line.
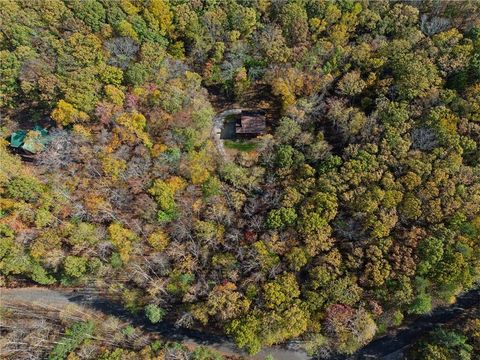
218,121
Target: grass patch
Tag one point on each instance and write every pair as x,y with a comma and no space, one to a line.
241,145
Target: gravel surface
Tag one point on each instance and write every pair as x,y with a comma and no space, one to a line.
217,130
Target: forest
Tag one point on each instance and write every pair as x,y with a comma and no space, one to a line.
357,209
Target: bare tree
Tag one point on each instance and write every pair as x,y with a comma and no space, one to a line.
434,25
424,138
122,51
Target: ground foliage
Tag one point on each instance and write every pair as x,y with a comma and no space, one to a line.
75,333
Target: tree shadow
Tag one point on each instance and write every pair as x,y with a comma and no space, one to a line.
228,128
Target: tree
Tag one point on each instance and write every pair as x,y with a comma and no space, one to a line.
349,328
400,19
84,234
287,130
351,84
158,240
211,187
315,231
343,290
164,194
154,313
65,114
294,21
225,302
422,304
454,51
280,326
284,156
297,258
122,238
377,269
415,75
273,44
126,29
234,174
410,207
162,15
288,86
208,232
348,120
246,332
136,123
91,12
113,167
75,266
393,113
74,336
243,19
324,204
122,51
24,188
281,218
430,251
265,257
12,261
179,282
9,68
114,94
280,292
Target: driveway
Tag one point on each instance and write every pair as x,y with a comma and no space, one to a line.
217,126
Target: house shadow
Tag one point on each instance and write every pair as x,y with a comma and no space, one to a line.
228,128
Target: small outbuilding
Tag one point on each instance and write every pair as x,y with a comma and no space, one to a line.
251,124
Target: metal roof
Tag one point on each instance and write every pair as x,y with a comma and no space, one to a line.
251,123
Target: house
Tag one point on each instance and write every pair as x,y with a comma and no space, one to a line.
251,124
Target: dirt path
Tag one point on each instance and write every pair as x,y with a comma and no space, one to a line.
91,299
388,347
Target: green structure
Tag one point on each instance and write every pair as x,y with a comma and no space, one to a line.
32,141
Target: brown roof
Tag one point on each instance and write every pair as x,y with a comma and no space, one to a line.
251,124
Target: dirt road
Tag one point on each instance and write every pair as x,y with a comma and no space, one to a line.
92,300
388,347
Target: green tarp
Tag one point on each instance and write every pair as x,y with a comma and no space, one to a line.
16,139
32,141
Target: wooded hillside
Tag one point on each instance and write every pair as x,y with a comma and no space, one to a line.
360,207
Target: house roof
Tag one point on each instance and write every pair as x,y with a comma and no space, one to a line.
251,123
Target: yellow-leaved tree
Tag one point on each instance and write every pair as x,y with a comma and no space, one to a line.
65,114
